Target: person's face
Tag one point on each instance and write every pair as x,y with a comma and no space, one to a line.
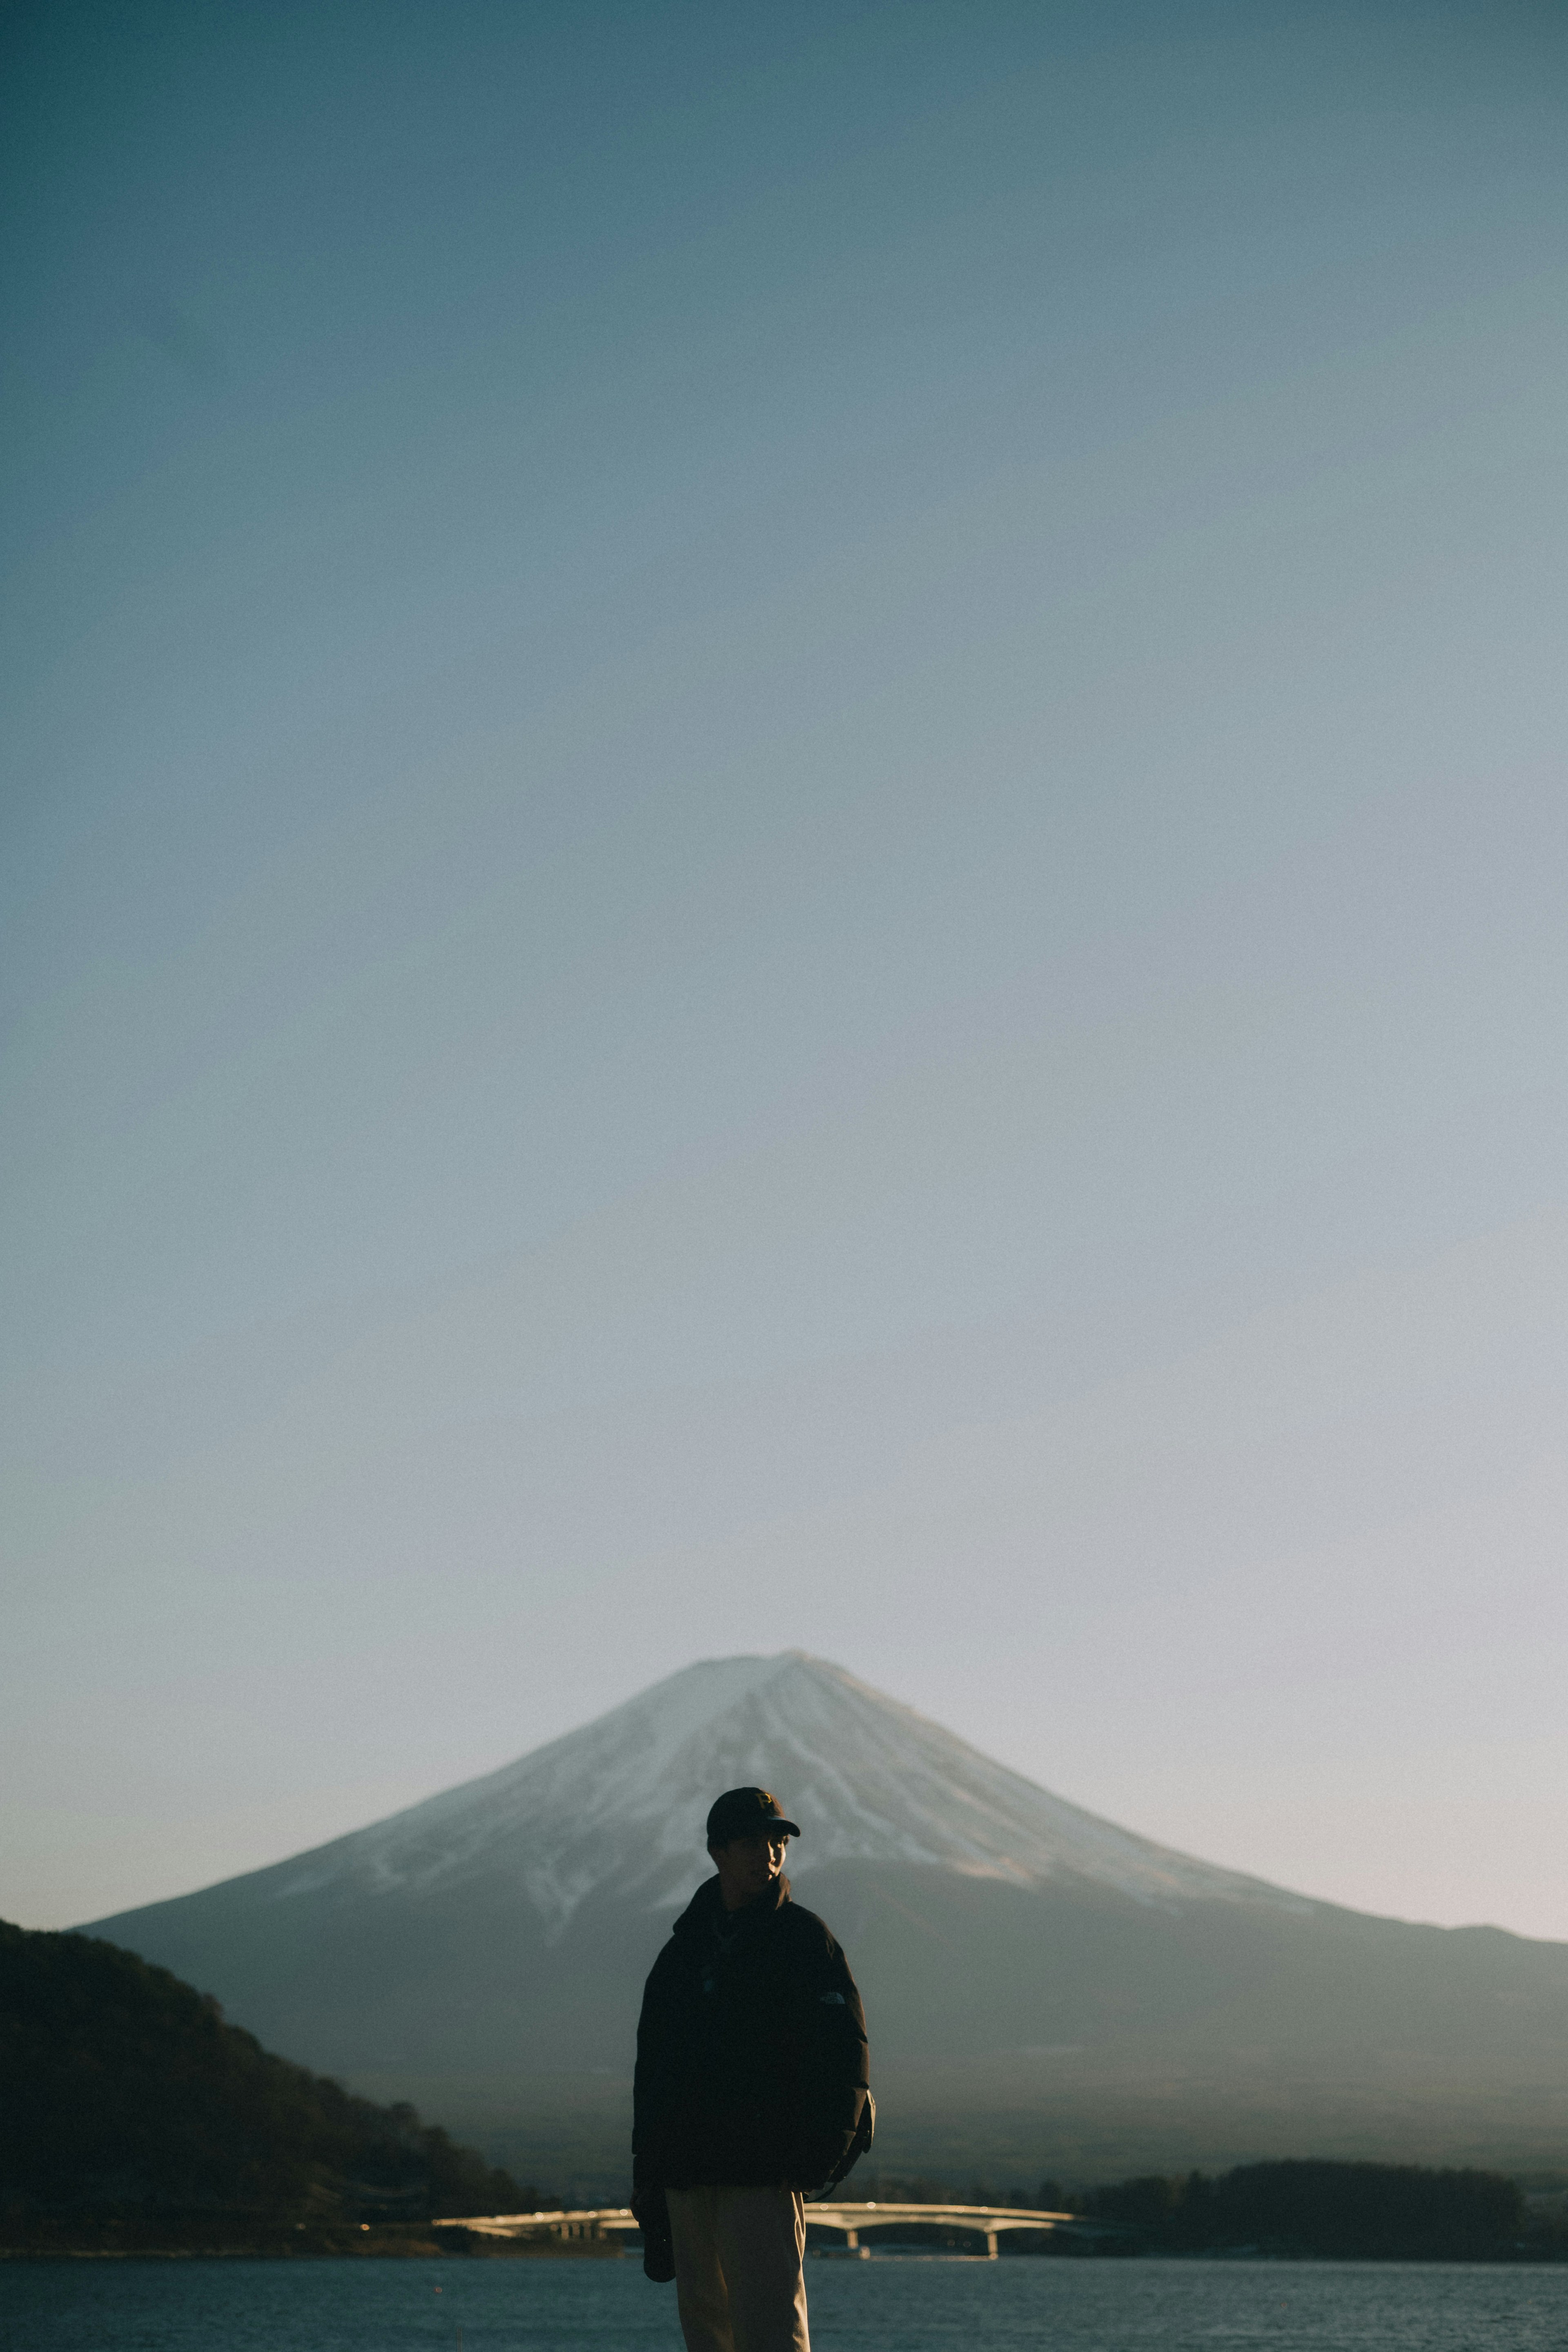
748,1865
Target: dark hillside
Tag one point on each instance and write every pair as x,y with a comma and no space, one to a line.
1403,2213
124,2093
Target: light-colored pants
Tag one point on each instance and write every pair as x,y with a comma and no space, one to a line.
738,2276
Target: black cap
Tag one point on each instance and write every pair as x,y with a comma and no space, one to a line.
742,1813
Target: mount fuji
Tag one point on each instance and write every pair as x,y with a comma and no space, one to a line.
1045,1992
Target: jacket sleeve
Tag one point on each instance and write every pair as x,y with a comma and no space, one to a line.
655,2082
836,2059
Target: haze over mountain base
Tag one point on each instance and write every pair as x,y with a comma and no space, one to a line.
1046,1993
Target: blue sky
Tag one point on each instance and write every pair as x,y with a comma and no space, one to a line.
783,848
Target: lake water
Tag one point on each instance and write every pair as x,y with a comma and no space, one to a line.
890,2305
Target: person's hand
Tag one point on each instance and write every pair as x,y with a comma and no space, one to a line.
650,2211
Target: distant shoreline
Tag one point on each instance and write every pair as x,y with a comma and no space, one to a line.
586,2251
341,2247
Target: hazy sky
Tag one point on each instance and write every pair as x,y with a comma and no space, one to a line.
785,850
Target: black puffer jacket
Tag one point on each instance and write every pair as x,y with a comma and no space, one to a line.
751,2058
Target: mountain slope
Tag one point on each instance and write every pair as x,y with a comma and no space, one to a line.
1034,1976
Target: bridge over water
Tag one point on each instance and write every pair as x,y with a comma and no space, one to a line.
986,2222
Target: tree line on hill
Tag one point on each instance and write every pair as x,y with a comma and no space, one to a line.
128,2104
1300,2209
1313,2207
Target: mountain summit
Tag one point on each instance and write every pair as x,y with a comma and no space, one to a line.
1045,1992
621,1803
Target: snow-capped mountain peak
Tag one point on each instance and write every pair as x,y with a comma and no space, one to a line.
621,1803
